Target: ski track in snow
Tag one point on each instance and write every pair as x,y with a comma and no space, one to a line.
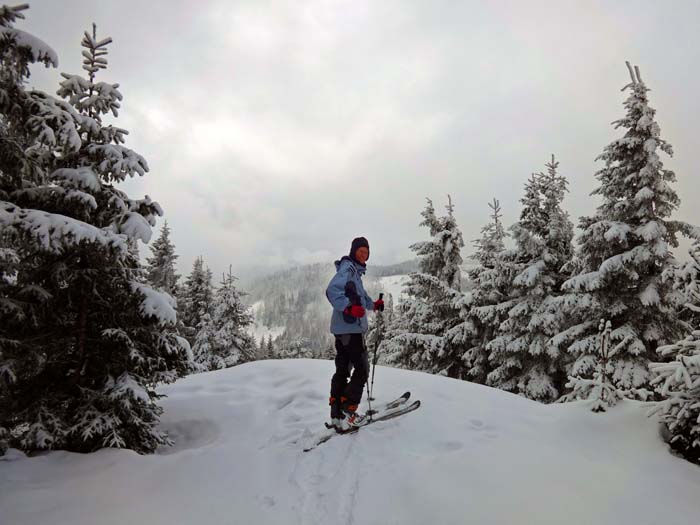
324,499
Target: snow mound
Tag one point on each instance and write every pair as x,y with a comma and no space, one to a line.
470,454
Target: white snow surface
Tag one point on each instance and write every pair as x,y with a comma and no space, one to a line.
470,454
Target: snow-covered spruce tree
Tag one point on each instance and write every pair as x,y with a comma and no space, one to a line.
600,392
160,267
490,284
89,340
195,298
522,361
429,310
624,251
222,341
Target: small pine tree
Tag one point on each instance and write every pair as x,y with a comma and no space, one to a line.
195,298
271,348
222,341
203,346
262,350
490,284
600,391
160,267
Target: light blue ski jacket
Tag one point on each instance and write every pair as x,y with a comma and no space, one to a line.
344,286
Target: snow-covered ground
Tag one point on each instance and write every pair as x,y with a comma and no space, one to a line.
470,454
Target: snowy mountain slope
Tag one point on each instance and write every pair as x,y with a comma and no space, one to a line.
471,454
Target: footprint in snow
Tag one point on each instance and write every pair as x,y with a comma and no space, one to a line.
482,429
450,446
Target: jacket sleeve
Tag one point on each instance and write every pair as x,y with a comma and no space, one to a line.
335,293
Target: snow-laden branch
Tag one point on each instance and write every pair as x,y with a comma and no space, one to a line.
157,304
57,233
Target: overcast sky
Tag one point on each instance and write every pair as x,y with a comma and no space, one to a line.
278,131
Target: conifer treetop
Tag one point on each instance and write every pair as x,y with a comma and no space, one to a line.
89,97
492,235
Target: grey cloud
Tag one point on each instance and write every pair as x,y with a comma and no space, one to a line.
279,131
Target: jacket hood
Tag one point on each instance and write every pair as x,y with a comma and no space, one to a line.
347,260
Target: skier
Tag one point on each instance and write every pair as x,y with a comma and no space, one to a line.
349,325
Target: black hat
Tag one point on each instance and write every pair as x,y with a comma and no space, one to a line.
358,242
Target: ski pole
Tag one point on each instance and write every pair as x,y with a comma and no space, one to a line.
370,412
377,340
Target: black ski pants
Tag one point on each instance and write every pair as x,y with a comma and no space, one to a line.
350,352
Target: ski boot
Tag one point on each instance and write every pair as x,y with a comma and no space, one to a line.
351,420
336,414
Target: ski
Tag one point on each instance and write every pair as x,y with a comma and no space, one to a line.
384,416
396,402
387,406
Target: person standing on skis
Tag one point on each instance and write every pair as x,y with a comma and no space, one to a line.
350,303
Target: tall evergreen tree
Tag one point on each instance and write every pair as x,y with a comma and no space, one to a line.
84,341
429,310
625,250
160,267
522,361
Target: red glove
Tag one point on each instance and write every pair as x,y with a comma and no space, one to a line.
355,311
379,305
